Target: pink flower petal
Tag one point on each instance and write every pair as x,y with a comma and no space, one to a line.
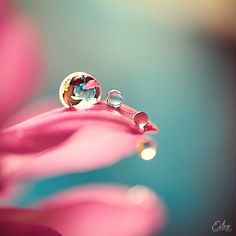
9,228
65,140
31,109
97,210
19,63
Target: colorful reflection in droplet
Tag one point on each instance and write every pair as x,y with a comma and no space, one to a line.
79,90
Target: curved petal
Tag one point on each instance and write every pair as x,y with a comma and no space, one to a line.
97,210
19,63
66,140
31,109
9,228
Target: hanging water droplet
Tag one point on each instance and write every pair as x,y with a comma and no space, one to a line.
79,90
146,148
140,119
114,98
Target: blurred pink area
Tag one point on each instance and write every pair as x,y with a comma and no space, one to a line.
9,228
19,63
31,109
96,210
3,9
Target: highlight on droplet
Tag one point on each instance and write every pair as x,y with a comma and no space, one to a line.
146,148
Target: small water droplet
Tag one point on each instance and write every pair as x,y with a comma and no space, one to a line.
114,98
140,119
146,148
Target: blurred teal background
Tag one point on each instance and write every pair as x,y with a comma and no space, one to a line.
167,64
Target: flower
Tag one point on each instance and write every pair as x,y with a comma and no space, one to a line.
62,141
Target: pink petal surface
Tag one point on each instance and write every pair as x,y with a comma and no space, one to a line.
31,109
66,140
97,210
11,228
19,63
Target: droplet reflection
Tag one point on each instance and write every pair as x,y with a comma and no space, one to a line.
114,98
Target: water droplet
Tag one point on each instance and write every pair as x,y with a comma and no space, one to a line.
140,119
114,98
146,148
79,90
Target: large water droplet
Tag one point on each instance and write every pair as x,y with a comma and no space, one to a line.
146,148
140,119
79,90
114,98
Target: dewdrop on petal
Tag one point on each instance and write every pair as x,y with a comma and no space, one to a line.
140,119
79,90
114,98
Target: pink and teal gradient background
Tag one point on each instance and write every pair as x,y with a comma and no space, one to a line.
169,61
